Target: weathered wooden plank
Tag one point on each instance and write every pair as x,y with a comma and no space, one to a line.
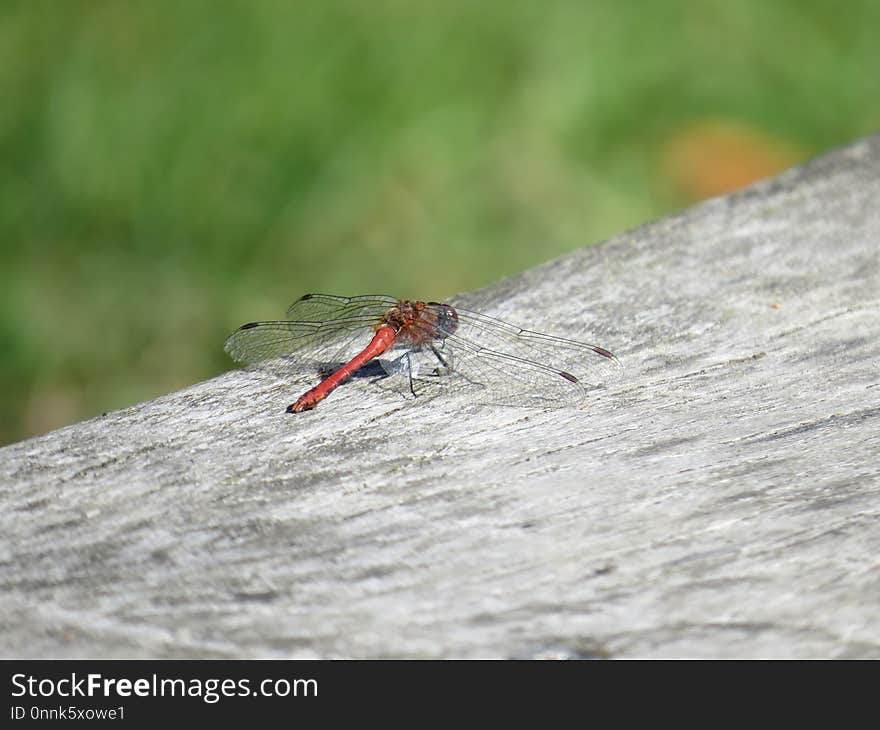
722,499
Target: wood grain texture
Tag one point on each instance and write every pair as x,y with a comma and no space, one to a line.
721,500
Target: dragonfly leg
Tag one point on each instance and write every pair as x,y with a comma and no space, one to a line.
444,361
409,372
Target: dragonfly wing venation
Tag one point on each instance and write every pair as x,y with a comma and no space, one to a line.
523,365
324,307
321,329
296,344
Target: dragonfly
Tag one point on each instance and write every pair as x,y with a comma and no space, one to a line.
421,347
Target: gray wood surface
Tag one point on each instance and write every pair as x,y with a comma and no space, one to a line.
720,500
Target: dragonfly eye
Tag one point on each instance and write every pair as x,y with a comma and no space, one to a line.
447,319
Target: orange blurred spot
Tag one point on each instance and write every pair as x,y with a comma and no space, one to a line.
710,158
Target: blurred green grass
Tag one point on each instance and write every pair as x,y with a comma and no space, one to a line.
170,170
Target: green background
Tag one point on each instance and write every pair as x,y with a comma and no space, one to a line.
173,169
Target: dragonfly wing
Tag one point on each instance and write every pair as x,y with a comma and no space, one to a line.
258,341
327,307
284,346
321,331
520,366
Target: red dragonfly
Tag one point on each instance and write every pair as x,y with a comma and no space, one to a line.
431,345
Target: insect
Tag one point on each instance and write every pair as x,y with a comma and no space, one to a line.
426,345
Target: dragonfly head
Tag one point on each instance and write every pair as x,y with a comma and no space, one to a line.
446,319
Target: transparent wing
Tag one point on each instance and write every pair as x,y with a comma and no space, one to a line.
320,330
326,307
504,363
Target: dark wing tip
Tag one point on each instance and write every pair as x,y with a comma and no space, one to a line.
249,325
568,376
603,352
